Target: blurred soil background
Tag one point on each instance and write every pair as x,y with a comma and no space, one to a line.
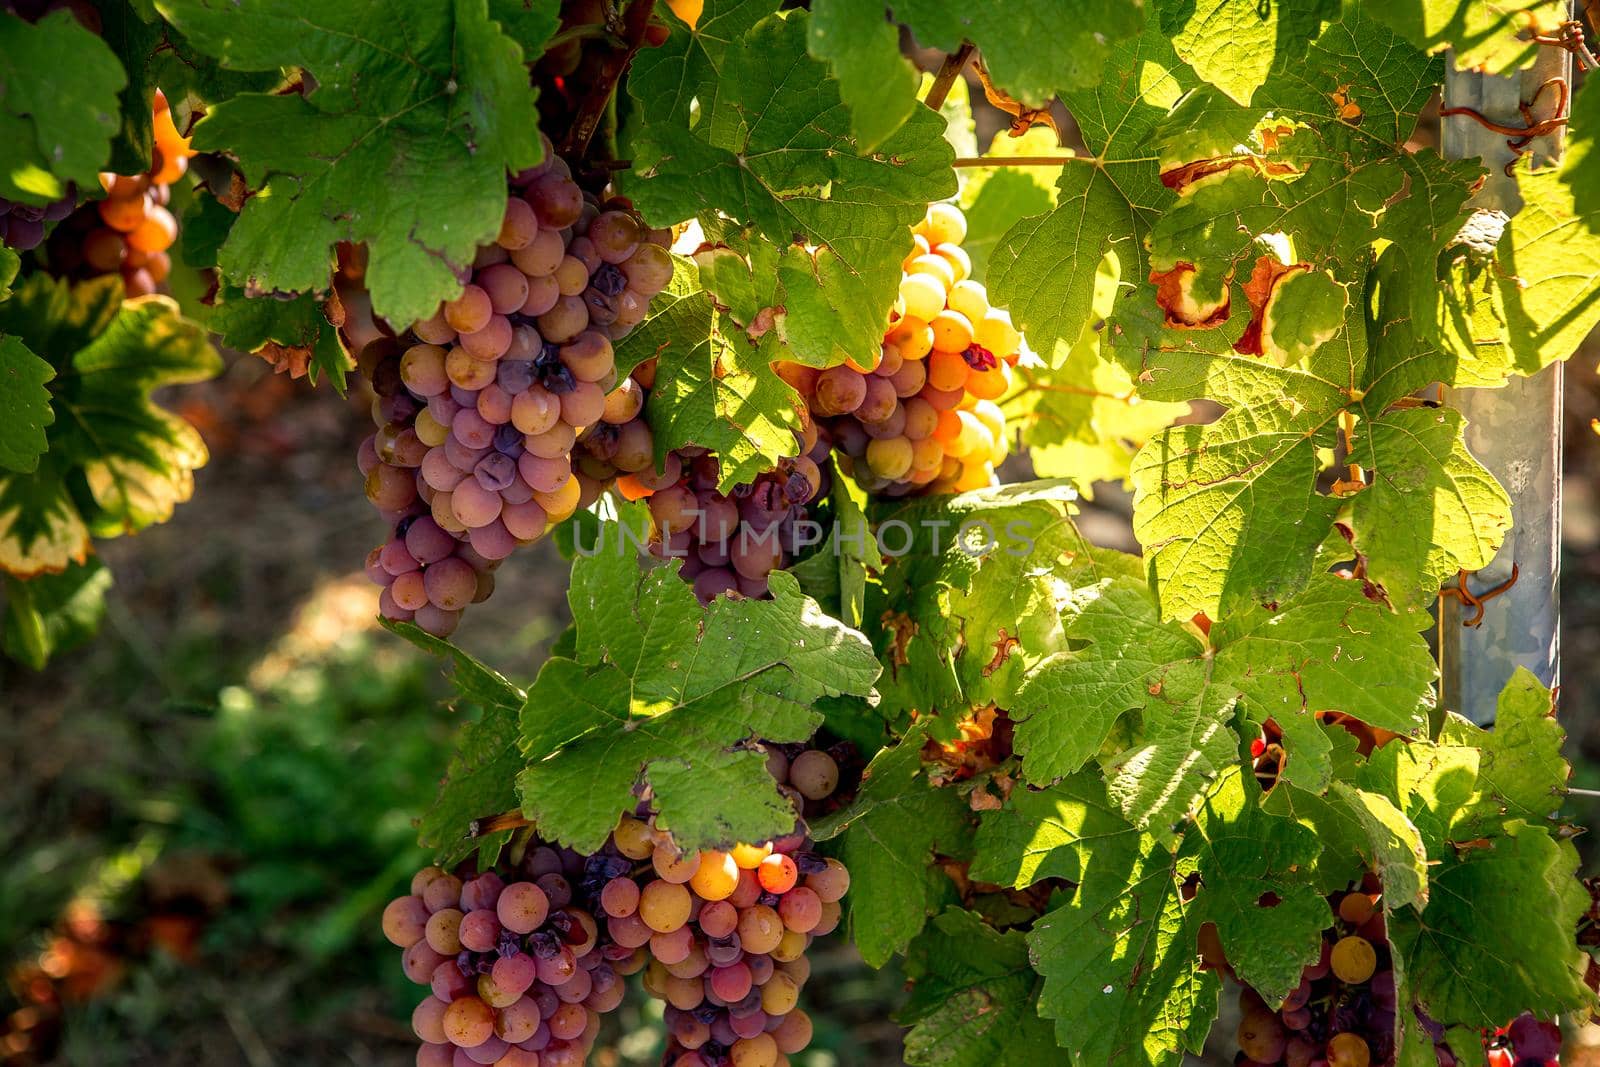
204,810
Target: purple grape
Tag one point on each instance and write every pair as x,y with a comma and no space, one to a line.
515,375
1534,1040
495,471
509,440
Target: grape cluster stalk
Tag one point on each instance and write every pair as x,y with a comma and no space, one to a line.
923,418
480,407
511,961
1343,1012
130,231
722,934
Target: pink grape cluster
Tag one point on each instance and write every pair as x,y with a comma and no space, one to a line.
1343,1012
522,962
512,961
480,407
731,543
723,933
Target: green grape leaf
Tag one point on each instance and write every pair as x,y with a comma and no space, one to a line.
1489,35
1227,512
1044,269
1269,920
1347,846
24,405
1496,937
1041,833
155,55
1393,846
714,386
1230,512
685,73
115,462
1354,96
970,592
772,149
403,143
1521,773
1329,649
58,106
1431,509
666,693
863,51
53,613
480,779
1084,420
1119,955
531,23
889,838
294,330
1236,44
1534,301
1033,48
1580,162
1125,658
836,573
973,997
1332,213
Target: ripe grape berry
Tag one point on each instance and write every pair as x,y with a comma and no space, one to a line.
923,417
483,407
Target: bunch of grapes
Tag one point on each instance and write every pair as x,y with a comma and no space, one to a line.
1526,1042
721,935
479,407
731,543
924,418
511,961
129,231
1342,1014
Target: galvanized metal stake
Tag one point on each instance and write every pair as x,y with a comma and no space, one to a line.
1515,432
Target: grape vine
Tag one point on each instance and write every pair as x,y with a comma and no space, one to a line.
808,385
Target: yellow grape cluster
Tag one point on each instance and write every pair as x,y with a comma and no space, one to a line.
129,232
923,418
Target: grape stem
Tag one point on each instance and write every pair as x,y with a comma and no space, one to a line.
635,21
492,824
948,72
